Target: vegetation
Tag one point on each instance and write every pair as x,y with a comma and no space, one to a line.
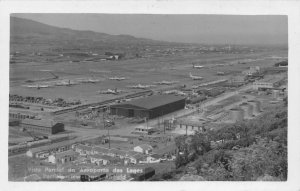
246,151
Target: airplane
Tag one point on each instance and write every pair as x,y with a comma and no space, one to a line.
166,82
65,83
140,86
197,66
110,91
175,92
38,86
196,77
89,80
117,78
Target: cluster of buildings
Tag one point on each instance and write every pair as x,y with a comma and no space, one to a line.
271,83
69,151
20,116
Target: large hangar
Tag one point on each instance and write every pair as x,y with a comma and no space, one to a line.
149,107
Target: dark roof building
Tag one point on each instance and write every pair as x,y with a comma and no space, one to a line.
42,126
149,107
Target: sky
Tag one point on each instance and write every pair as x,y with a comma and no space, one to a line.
208,29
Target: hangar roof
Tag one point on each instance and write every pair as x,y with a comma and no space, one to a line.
42,122
150,102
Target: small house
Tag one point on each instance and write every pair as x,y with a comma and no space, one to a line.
63,157
100,159
83,149
144,148
134,158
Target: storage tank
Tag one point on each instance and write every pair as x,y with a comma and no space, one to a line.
250,110
245,108
256,106
237,114
275,94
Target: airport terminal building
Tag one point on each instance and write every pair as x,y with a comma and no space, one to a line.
149,107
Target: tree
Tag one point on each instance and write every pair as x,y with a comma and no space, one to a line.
262,157
200,143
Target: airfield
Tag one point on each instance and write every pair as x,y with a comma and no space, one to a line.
145,71
82,82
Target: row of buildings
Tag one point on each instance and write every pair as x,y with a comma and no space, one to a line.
69,151
31,122
271,83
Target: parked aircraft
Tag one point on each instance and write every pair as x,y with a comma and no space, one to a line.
140,86
177,92
165,82
197,66
196,77
117,78
110,91
38,86
88,80
66,83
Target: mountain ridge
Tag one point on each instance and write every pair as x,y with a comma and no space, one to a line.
25,28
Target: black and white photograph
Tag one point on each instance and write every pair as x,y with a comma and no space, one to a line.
131,97
148,97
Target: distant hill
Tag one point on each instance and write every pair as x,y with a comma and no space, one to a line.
24,31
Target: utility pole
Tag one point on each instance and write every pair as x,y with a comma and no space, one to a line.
106,125
162,114
186,127
108,137
158,123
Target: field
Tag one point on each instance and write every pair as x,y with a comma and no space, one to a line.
138,71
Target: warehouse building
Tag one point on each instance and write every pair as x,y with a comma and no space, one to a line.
149,107
45,151
20,116
271,83
42,126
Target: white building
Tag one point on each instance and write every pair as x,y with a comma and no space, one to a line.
83,149
133,157
144,148
63,157
263,85
251,71
144,130
100,159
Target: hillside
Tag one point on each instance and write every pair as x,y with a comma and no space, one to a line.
24,28
29,36
254,150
